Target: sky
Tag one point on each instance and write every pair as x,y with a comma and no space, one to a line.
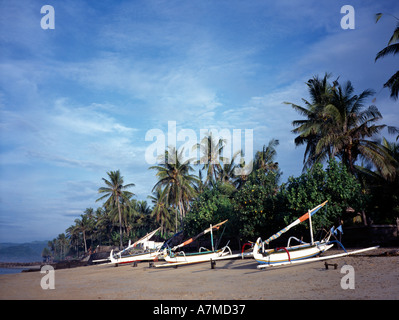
78,100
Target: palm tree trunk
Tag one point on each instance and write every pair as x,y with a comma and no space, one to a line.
175,218
176,205
364,218
84,240
350,158
120,224
181,209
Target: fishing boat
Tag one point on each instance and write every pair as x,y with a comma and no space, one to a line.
130,254
175,258
289,254
302,253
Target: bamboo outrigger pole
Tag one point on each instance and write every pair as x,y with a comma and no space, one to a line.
296,222
216,226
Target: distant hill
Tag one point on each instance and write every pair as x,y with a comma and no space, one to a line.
22,252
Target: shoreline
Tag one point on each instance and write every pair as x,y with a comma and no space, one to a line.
10,265
376,278
36,266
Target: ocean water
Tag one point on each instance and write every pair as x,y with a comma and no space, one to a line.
11,270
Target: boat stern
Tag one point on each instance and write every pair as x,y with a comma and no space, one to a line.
111,257
257,247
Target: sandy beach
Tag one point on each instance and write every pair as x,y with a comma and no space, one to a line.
376,277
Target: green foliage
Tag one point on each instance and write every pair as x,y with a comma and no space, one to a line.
261,208
251,210
334,184
212,206
255,207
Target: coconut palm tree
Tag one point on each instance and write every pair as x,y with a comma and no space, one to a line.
160,210
102,224
265,159
225,172
73,234
53,246
116,194
140,218
63,243
309,129
82,226
174,175
200,186
339,125
349,128
89,213
391,48
211,151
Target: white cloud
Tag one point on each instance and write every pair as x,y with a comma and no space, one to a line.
86,120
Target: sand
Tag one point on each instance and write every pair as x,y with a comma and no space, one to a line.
375,277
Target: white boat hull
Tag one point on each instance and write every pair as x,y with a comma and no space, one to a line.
288,254
149,256
188,258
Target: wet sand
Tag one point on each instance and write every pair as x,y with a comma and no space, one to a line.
376,277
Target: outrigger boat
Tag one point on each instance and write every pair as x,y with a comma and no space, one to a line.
128,255
302,253
288,254
174,258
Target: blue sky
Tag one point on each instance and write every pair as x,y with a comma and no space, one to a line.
78,100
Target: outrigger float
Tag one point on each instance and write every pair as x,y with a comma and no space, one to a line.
302,253
174,258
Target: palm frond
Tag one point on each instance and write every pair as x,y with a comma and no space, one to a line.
378,17
391,49
393,85
395,36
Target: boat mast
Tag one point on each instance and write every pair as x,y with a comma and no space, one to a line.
311,229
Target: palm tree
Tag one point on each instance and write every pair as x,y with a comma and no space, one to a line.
52,246
103,224
339,125
200,186
174,175
391,48
160,210
349,127
211,151
82,226
309,129
46,254
265,159
129,215
89,213
142,222
225,172
63,242
246,170
116,193
73,234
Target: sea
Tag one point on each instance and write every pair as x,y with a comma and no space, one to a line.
11,270
20,252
